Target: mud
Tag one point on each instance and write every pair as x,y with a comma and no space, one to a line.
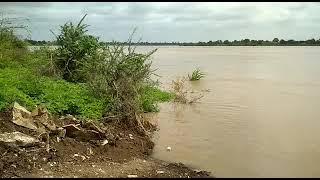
73,157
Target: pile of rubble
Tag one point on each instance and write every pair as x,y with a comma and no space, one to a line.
43,126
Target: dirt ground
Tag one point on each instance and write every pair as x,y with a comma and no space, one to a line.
128,156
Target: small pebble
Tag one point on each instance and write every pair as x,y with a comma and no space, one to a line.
130,136
168,148
132,176
104,142
160,172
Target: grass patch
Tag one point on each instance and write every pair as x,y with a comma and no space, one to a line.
59,96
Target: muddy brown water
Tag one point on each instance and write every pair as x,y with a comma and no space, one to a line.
261,117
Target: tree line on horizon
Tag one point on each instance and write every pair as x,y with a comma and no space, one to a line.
243,42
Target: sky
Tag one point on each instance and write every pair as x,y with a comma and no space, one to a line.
173,21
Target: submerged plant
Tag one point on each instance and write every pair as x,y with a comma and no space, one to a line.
182,94
196,75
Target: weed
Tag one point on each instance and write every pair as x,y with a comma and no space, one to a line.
196,75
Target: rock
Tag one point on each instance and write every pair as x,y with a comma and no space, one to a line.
92,126
83,158
131,136
70,129
160,172
121,135
79,134
89,151
168,148
111,138
61,132
23,111
117,137
18,139
104,142
202,173
69,116
22,117
41,128
87,135
132,176
41,114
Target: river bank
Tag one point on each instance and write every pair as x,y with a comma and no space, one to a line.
126,153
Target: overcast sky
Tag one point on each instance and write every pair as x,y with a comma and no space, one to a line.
174,21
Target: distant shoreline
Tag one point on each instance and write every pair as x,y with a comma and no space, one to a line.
243,42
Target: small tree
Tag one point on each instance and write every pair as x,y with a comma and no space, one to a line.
75,48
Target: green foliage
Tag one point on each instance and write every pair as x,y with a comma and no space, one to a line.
151,96
58,96
75,48
81,77
196,75
12,49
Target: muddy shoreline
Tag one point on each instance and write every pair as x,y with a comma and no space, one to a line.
127,155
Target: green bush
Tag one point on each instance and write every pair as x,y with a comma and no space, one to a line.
75,48
119,74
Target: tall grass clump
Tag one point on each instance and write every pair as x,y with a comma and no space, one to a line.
196,75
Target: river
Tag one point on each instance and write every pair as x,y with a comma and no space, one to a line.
259,119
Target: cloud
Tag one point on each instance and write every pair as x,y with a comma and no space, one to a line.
174,21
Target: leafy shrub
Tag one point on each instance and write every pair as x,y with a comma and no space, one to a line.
196,75
119,74
75,48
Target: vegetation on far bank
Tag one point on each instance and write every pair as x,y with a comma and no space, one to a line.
242,42
83,76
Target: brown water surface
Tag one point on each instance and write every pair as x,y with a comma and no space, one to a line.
261,117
